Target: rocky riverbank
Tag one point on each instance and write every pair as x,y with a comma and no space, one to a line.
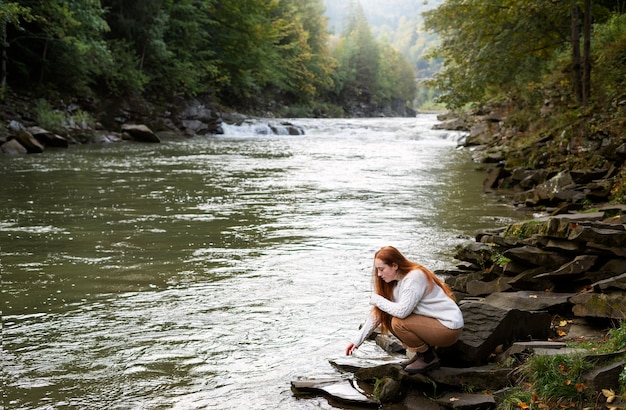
524,289
23,133
581,167
88,122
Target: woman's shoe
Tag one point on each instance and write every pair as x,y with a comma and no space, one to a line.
410,360
419,366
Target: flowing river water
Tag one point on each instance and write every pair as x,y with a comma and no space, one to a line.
209,272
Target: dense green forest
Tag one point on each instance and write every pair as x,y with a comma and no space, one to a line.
277,53
243,53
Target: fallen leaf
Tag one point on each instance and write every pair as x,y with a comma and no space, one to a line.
609,394
563,323
454,399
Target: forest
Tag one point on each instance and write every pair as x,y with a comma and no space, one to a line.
282,53
242,53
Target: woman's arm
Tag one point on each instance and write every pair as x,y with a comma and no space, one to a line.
368,327
410,294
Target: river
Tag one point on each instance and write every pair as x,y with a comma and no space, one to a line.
209,272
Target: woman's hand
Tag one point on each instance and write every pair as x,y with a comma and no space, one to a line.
374,298
351,347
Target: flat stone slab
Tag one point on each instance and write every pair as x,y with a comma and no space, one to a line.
339,389
467,401
488,377
543,348
353,364
525,347
528,300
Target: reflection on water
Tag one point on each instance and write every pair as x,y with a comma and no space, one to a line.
210,272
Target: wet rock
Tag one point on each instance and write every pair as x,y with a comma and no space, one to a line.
487,327
552,188
493,176
614,281
13,147
28,141
611,237
489,377
531,301
140,132
605,377
536,256
482,288
104,137
577,267
603,305
339,389
452,124
388,390
467,401
48,138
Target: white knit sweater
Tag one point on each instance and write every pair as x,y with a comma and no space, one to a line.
411,296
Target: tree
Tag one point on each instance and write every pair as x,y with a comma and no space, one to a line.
495,47
60,44
358,56
10,14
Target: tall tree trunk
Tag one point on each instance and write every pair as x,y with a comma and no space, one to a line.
3,67
577,76
587,53
43,60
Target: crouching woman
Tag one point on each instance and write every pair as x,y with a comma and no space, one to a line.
415,305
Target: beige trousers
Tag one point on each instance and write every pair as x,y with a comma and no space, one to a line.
419,332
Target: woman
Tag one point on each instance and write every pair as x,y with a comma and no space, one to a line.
415,305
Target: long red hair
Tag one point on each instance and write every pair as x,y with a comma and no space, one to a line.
390,255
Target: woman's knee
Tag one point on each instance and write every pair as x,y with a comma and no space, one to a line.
397,324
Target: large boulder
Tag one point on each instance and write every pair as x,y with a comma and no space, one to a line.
602,305
487,327
29,142
48,138
140,132
13,147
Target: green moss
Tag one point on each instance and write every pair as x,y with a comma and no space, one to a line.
524,229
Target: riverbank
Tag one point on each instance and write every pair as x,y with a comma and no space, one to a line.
547,165
550,287
31,124
546,292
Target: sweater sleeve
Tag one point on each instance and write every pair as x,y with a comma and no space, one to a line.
368,327
409,294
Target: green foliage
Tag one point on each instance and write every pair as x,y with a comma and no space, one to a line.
558,379
618,192
499,259
57,121
517,399
122,75
48,118
367,70
609,71
62,45
616,339
492,47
